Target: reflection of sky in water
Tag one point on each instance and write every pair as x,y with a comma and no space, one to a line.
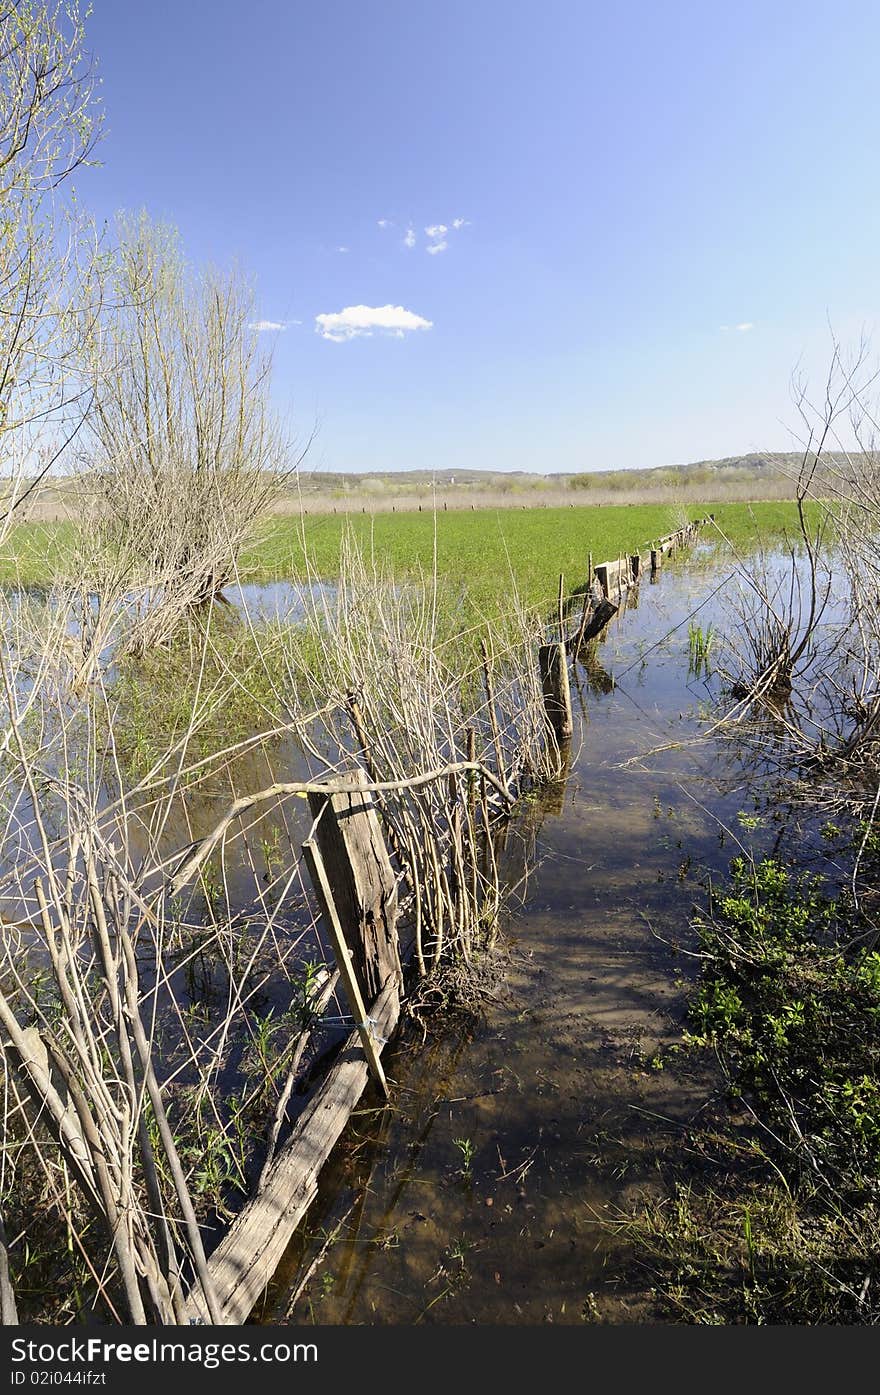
281,600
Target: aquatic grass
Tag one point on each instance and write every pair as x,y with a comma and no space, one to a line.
230,675
700,642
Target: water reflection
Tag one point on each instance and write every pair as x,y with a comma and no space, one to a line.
477,1195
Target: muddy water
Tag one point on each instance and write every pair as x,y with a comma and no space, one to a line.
483,1193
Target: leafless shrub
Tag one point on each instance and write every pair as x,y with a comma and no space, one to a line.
182,452
147,1079
122,1007
402,691
50,281
805,642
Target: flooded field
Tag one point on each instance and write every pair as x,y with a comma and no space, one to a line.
487,1191
532,1111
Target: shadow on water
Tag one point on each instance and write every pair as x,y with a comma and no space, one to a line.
483,1192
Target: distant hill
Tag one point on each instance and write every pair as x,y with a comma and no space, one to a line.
759,475
756,466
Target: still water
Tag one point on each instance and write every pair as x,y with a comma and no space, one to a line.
487,1190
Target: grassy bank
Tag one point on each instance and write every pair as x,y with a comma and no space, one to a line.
35,552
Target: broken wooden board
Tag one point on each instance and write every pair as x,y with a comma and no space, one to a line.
249,1254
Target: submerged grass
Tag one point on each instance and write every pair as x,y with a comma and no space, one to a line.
215,688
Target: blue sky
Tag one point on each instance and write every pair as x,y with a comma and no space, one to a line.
663,206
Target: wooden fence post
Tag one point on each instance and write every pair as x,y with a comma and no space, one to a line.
489,682
349,837
593,622
557,693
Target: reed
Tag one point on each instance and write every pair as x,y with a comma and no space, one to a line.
157,1022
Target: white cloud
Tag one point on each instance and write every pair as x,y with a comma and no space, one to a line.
385,223
343,249
265,326
437,230
460,223
364,320
434,247
410,238
745,327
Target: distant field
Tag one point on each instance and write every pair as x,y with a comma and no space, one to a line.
735,479
532,496
489,552
486,553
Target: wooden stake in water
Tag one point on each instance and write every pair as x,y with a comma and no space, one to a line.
318,873
349,835
493,718
557,694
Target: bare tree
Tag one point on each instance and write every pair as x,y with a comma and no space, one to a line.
49,124
182,452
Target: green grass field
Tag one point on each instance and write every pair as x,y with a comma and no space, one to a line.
487,553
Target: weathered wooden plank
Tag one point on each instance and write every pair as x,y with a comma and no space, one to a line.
8,1310
359,869
248,1255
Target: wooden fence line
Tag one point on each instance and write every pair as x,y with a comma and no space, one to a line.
614,577
355,886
